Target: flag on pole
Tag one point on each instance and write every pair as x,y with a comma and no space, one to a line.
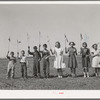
9,39
18,41
81,36
66,38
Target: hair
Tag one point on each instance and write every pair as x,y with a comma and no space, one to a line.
23,51
45,45
72,42
35,47
84,43
93,45
12,52
58,43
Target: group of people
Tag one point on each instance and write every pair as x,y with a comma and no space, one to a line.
59,64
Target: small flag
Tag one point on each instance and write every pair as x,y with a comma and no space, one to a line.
9,39
18,41
66,38
81,36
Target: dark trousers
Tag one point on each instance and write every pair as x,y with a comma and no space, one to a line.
24,70
46,68
36,67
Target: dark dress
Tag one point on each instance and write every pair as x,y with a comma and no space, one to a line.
85,57
72,62
45,62
36,62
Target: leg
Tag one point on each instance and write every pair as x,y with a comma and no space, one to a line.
25,71
71,71
34,69
8,72
38,68
47,69
22,70
58,72
13,72
61,74
96,71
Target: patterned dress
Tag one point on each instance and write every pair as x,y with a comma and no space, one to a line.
85,57
58,52
96,59
72,62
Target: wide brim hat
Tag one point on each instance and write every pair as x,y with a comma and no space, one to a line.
72,43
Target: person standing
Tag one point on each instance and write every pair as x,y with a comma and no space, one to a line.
72,61
85,59
45,61
36,61
23,62
95,53
11,65
58,62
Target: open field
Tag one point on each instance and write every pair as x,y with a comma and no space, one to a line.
66,83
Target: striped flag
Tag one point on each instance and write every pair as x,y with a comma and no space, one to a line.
81,36
66,38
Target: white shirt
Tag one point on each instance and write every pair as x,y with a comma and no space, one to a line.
23,59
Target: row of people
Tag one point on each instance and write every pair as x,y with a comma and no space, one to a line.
58,61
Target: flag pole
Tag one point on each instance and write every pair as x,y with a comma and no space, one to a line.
28,39
9,44
39,41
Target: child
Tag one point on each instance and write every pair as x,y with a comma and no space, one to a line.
58,52
36,61
45,61
85,59
11,65
95,59
72,62
23,62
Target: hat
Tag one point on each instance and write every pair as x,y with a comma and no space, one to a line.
71,43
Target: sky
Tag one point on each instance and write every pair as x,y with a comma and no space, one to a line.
51,20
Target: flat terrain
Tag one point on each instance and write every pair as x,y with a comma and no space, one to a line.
53,83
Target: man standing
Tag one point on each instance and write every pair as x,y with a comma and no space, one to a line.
36,61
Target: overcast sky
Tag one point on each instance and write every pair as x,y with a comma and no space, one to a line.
51,20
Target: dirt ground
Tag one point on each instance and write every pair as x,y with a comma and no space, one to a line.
53,83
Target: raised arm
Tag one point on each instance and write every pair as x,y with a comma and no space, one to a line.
31,53
7,55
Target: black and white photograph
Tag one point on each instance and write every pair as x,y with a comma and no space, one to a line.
49,46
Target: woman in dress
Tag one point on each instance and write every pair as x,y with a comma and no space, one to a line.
95,59
58,62
85,59
45,61
72,62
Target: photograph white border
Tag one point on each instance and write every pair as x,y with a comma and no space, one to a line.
38,94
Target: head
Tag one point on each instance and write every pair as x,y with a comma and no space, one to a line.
84,44
71,44
12,53
44,46
35,48
23,52
57,44
95,46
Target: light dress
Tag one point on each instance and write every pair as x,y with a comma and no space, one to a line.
96,59
58,62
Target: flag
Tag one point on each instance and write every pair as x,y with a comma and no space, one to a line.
81,36
18,41
9,39
66,38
